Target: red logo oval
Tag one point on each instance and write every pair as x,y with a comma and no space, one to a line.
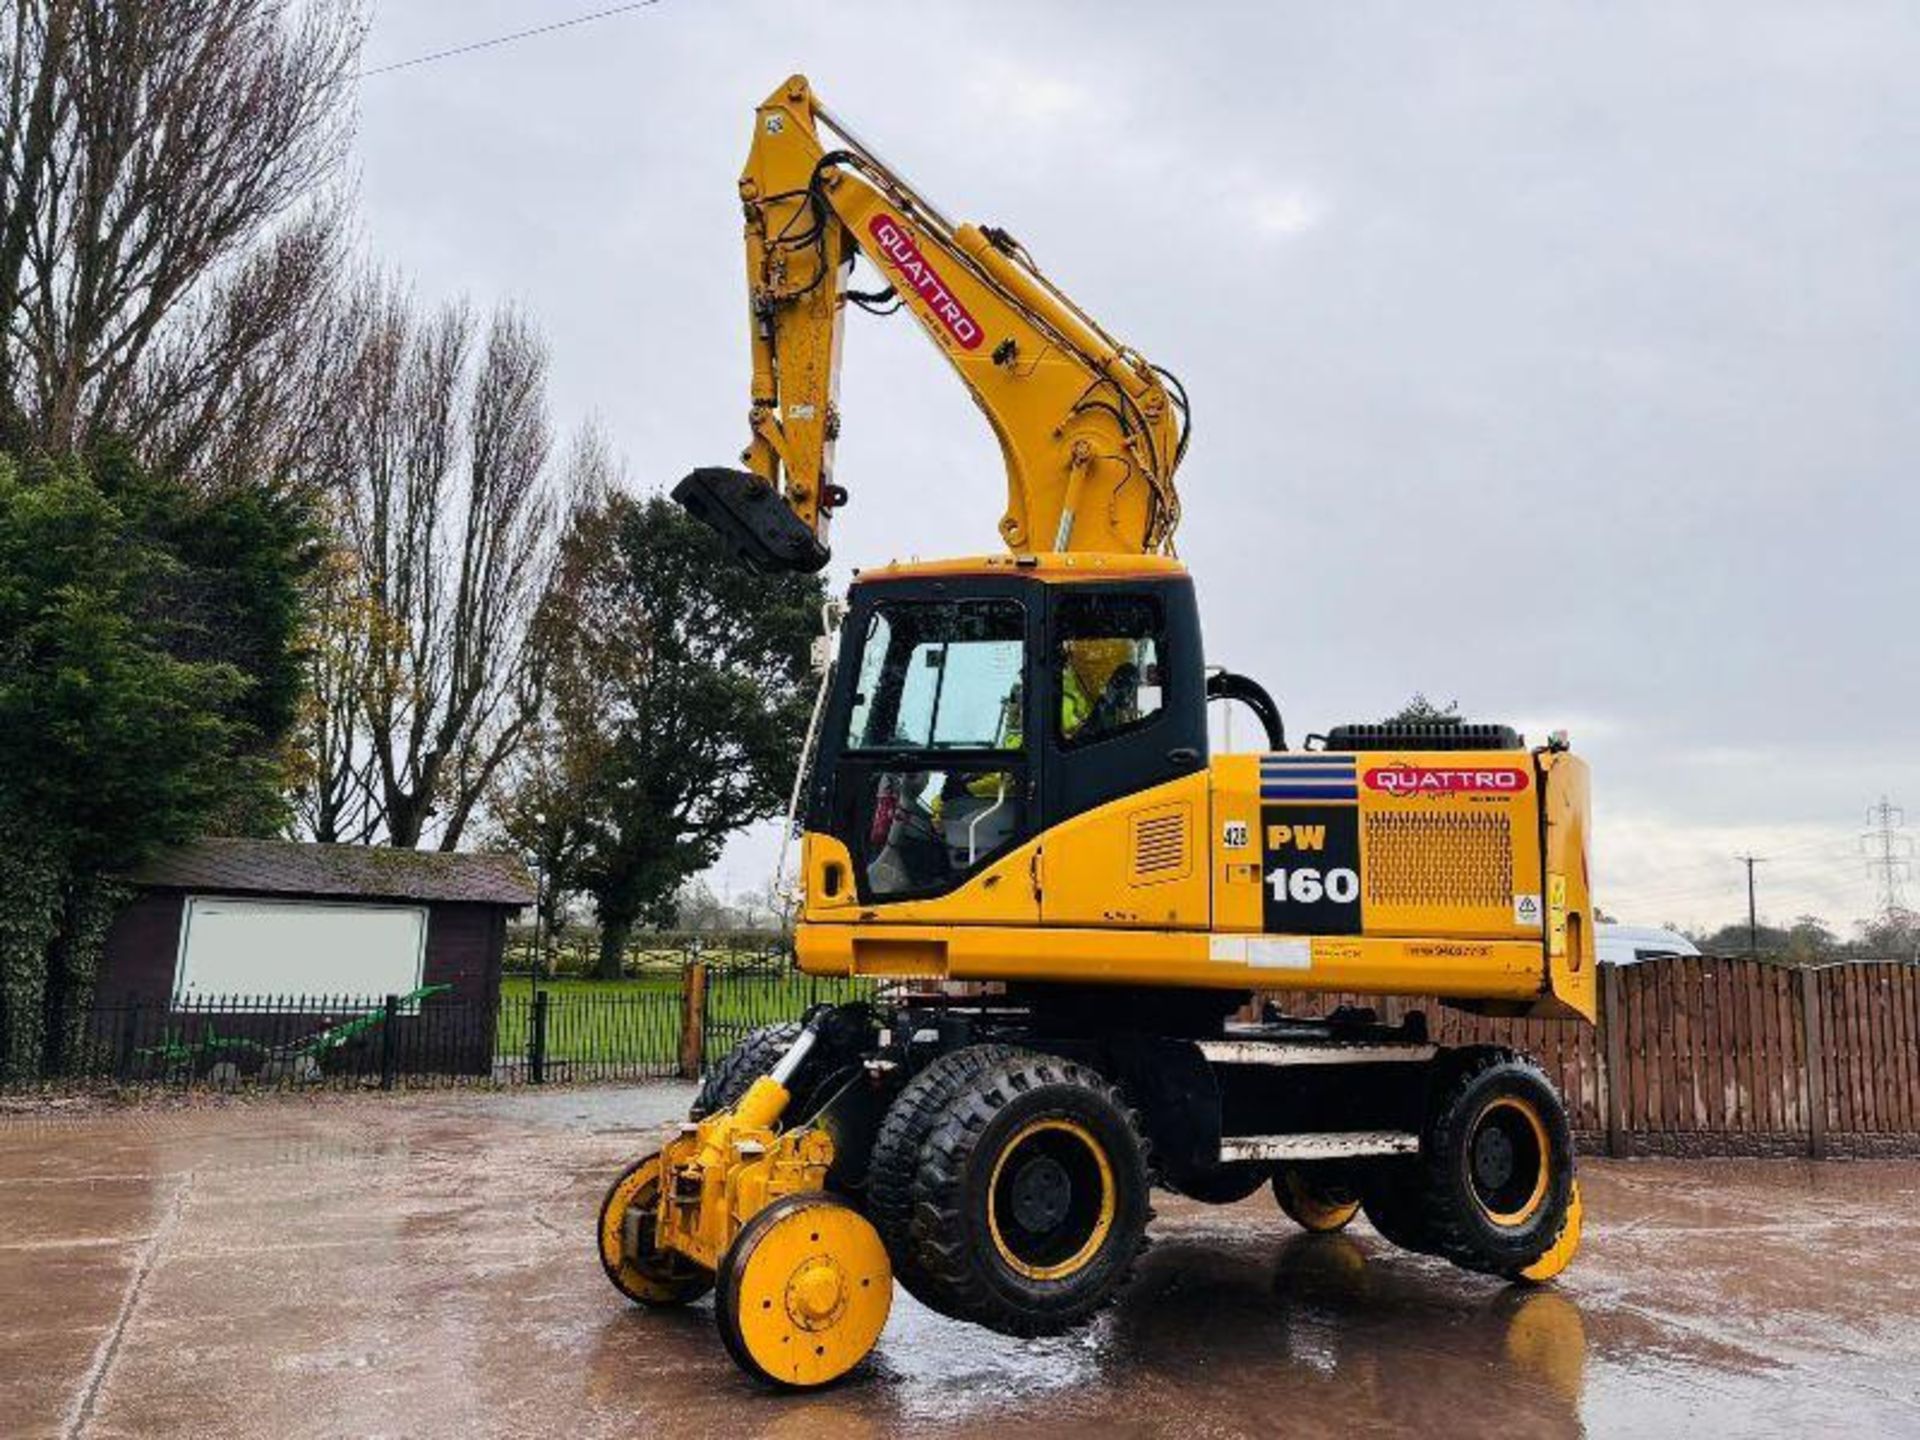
1448,780
918,275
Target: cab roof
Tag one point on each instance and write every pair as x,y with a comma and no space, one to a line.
1053,567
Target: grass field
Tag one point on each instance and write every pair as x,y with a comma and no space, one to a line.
635,1024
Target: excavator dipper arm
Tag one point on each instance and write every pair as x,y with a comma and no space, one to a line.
1091,433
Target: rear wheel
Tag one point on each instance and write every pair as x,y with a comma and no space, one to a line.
1499,1169
1493,1187
1030,1197
1396,1206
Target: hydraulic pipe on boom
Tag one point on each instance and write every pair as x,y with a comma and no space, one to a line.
1091,432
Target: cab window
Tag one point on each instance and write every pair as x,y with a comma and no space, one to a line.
933,780
940,676
1107,666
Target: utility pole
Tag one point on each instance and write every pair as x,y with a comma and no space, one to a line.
1889,854
1753,909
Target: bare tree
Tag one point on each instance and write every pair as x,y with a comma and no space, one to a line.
159,238
333,777
440,446
539,801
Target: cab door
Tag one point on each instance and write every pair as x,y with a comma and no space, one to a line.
928,777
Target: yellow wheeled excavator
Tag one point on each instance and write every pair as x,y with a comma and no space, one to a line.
1008,780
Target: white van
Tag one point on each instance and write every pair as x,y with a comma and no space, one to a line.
1629,944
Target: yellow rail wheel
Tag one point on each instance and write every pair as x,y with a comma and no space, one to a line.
1499,1192
1314,1202
804,1292
1030,1197
638,1268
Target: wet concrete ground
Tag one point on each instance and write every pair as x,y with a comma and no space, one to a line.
423,1266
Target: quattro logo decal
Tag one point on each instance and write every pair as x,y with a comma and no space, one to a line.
919,276
1448,780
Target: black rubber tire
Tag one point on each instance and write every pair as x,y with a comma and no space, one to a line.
756,1054
1223,1185
895,1158
1459,1228
1395,1204
954,1250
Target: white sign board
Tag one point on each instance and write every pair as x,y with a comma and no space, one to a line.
249,948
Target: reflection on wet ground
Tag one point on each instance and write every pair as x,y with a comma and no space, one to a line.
420,1265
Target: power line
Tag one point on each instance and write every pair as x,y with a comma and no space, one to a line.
1889,854
1816,848
489,44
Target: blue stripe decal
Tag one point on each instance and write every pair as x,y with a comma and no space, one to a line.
1325,790
1327,760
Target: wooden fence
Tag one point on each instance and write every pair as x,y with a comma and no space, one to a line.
1695,1055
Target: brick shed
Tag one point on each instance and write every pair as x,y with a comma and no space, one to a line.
269,918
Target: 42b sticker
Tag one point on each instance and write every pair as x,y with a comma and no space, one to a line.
1310,857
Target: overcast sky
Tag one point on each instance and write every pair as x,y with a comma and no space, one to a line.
1561,360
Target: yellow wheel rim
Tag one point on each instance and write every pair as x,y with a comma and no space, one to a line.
1509,1161
1565,1245
804,1292
1051,1199
1310,1207
642,1272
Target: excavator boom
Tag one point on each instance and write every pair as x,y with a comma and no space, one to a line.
1090,431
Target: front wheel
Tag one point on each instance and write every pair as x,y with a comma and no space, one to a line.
1030,1197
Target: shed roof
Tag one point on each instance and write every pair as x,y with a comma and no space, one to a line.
288,867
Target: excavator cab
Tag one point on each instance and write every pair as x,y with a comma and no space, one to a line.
973,711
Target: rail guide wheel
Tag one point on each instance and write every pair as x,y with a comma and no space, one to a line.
638,1269
1312,1202
803,1292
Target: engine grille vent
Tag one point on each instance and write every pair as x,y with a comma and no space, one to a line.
1452,860
1440,733
1160,845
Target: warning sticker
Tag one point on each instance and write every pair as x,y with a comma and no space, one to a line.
1526,911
